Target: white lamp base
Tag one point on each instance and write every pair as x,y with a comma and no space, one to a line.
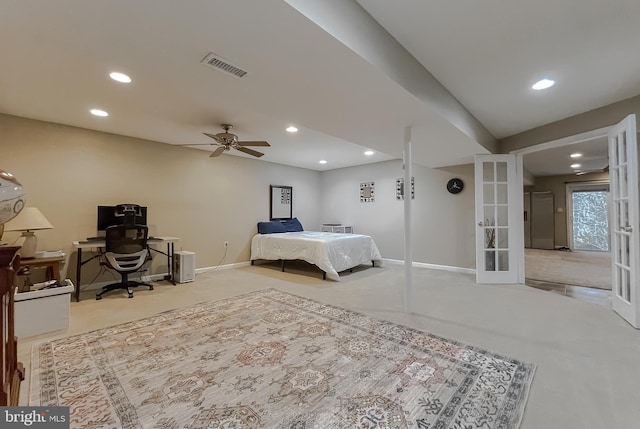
29,245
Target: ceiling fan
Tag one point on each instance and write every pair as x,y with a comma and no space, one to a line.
594,170
226,141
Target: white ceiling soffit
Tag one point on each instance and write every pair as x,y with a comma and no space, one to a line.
348,22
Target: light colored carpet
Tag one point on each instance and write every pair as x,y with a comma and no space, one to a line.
579,268
270,359
587,369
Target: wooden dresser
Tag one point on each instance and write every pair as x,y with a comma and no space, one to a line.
12,372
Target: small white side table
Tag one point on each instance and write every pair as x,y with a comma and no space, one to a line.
339,228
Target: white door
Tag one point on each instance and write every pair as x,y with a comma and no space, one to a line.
499,219
625,245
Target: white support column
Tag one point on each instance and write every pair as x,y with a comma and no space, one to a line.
408,254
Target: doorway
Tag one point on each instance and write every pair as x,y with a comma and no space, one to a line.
572,196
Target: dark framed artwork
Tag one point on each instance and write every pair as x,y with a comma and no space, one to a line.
280,202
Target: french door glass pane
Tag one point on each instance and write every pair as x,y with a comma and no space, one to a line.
487,171
503,193
503,238
503,260
489,194
501,171
490,260
590,220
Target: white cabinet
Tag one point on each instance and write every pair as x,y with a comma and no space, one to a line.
335,227
42,311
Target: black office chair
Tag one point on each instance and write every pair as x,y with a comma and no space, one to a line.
126,251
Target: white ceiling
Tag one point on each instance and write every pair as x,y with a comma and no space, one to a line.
556,161
56,57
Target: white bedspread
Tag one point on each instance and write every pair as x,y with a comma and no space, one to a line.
331,252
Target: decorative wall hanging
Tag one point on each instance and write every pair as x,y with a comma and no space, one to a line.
455,186
281,199
400,189
367,192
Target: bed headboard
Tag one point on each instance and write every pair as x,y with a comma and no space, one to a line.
276,226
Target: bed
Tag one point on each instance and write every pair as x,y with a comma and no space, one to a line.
331,252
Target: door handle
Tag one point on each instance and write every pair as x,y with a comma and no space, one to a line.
480,223
627,228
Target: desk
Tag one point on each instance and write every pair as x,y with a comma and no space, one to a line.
100,244
52,265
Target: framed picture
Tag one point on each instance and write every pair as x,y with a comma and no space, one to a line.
367,192
400,189
281,202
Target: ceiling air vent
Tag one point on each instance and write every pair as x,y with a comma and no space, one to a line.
219,63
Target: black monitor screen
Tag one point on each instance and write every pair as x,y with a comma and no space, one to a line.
107,217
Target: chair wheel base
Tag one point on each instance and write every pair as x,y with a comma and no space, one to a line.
130,295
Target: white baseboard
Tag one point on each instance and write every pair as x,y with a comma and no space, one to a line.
160,276
433,266
222,267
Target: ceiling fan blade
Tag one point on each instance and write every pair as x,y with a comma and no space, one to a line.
197,144
250,151
217,152
595,170
213,136
254,143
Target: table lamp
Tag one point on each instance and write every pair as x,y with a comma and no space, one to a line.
27,221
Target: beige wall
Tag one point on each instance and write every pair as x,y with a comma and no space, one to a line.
68,171
443,224
558,185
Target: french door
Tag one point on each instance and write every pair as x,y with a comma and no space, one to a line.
625,243
499,224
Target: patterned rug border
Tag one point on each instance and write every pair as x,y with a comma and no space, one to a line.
525,370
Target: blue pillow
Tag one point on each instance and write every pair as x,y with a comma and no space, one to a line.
272,227
292,225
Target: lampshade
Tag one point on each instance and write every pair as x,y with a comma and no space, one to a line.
28,220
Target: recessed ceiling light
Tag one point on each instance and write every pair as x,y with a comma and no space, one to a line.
576,165
120,77
292,129
323,161
543,84
98,112
575,155
369,153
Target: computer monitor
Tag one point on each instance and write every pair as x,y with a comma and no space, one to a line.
108,215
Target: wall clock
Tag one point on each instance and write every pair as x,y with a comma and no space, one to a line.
455,186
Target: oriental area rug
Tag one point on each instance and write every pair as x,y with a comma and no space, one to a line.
270,359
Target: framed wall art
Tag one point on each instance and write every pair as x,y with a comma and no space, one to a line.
281,202
400,189
367,192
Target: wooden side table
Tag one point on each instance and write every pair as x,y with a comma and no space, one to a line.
52,264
